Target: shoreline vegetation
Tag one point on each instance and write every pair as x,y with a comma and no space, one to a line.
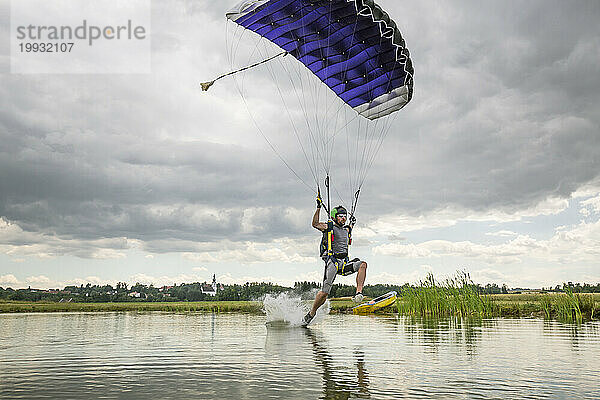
563,307
457,296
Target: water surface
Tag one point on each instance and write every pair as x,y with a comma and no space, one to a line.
202,356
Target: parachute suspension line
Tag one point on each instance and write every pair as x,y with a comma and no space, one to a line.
242,95
319,195
329,222
348,163
328,196
389,122
348,132
273,147
368,148
329,104
349,121
386,132
301,96
302,100
320,128
285,103
312,116
357,150
371,138
256,48
313,165
354,203
332,128
206,85
375,142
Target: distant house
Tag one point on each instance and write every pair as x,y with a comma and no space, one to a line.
135,294
211,290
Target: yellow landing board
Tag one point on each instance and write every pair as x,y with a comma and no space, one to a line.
376,303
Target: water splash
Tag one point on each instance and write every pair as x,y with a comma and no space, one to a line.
290,308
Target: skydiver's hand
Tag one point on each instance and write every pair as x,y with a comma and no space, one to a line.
319,201
352,220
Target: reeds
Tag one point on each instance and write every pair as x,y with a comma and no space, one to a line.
457,296
568,307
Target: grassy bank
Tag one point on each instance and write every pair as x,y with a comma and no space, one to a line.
203,306
253,307
567,306
428,300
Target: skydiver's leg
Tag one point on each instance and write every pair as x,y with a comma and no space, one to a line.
319,300
328,278
361,276
360,267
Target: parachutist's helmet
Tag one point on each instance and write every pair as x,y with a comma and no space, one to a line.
338,211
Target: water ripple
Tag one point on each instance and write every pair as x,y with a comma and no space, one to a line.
132,355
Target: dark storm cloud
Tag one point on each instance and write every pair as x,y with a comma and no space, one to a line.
505,110
504,115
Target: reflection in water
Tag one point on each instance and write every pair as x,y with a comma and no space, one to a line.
436,332
576,332
342,379
232,356
339,382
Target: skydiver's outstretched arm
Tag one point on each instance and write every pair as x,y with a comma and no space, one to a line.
315,221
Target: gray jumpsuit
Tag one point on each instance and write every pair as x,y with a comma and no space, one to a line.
338,264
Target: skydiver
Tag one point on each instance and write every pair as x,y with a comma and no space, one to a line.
336,260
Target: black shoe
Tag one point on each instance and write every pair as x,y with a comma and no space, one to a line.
307,319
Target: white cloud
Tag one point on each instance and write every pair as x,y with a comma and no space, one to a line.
590,206
489,275
590,189
8,280
579,244
16,241
284,250
502,233
391,225
41,279
164,280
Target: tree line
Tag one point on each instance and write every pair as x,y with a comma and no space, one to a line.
247,292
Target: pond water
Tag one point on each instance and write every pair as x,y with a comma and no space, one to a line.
235,356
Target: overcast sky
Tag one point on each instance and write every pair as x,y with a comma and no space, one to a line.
493,168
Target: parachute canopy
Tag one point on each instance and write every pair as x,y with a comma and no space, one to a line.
352,46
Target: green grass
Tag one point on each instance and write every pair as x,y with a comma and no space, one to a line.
206,306
567,307
454,297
